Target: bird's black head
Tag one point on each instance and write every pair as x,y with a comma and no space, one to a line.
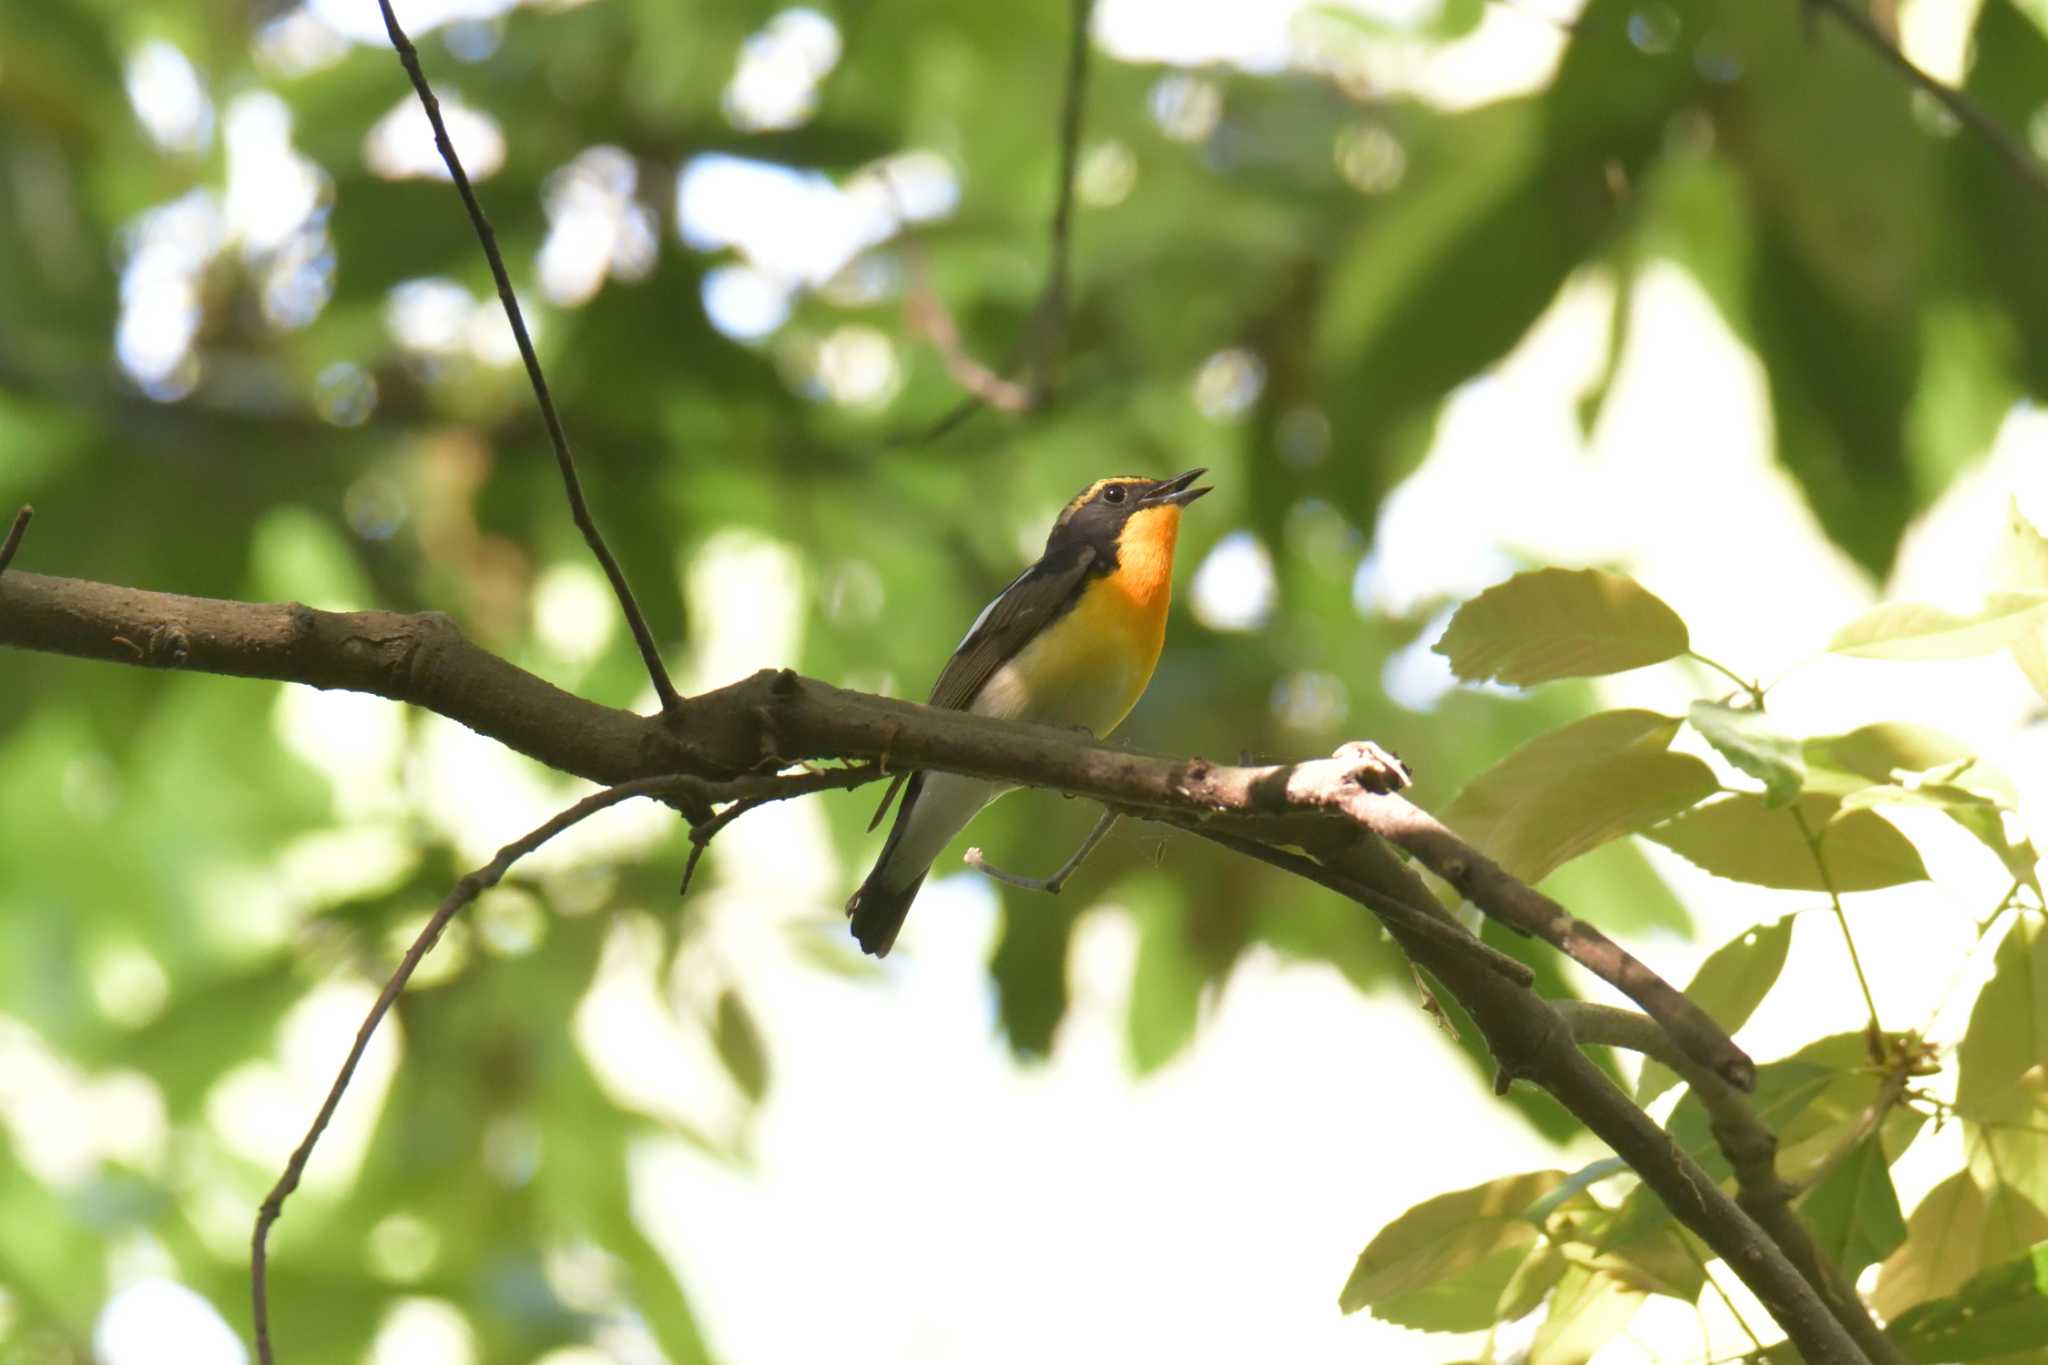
1098,516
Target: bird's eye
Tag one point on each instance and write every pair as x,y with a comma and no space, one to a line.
1113,493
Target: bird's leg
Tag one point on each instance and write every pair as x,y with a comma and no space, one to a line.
1050,885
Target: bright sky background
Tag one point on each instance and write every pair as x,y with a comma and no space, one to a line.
916,1196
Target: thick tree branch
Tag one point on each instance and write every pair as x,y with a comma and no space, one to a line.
422,659
572,485
776,718
734,736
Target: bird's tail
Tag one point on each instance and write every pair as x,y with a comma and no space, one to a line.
878,910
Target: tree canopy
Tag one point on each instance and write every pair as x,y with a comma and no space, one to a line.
1527,345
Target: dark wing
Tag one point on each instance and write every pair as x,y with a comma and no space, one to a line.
1038,597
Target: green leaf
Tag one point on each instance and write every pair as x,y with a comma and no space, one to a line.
1443,1237
1729,986
1854,1211
1912,631
1166,986
1567,792
1466,1301
1657,1265
1560,623
739,1046
2000,1311
1747,739
1743,839
1586,1312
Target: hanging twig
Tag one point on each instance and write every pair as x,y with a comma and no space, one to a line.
1035,358
471,886
14,535
1967,111
650,655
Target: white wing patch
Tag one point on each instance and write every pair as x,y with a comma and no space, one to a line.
982,619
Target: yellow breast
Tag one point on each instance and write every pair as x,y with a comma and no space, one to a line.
1090,667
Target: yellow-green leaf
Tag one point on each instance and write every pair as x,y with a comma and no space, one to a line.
2031,654
1979,816
2021,563
1743,839
1729,986
1560,623
1940,1250
1569,791
1885,753
1914,631
1537,1275
1444,1236
1588,1310
2008,1031
1746,738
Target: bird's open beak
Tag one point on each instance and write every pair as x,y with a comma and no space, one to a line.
1176,491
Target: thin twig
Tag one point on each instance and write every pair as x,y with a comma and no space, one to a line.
1967,111
701,835
1052,320
1827,881
14,535
926,315
472,885
1035,358
1049,885
753,793
1755,691
650,655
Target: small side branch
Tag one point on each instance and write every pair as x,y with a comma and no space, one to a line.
14,535
1050,885
650,655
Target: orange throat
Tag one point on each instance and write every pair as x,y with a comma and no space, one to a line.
1144,558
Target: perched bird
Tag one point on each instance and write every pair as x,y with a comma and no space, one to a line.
1072,641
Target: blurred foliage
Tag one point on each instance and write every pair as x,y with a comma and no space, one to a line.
1888,272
